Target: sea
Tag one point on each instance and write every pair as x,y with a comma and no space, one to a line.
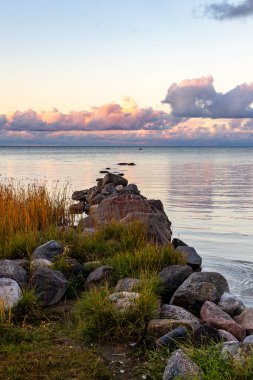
207,193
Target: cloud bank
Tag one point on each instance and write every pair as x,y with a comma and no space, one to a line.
198,98
199,115
226,10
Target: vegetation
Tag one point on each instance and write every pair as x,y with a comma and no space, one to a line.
55,343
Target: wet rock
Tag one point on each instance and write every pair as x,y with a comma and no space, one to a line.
103,171
173,338
245,319
215,317
41,263
192,295
10,293
226,336
231,305
50,285
178,313
172,277
99,275
77,208
212,278
49,251
192,258
79,195
122,163
159,327
177,243
131,164
115,179
204,334
9,269
127,284
181,366
124,300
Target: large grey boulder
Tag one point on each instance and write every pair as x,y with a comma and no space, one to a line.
198,288
10,293
178,313
50,285
172,277
180,366
10,269
231,304
192,295
192,257
98,276
49,251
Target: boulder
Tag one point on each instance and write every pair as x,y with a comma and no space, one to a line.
198,288
177,243
49,251
245,319
124,301
127,284
231,304
115,179
119,188
77,208
231,350
50,285
178,313
132,188
173,338
79,195
10,293
10,269
215,317
191,256
108,189
226,336
41,263
98,275
192,295
159,327
97,199
157,226
172,277
180,366
204,334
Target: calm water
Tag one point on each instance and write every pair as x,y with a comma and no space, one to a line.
207,194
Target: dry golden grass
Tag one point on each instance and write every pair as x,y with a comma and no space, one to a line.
29,207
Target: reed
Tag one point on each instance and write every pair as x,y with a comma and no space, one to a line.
27,209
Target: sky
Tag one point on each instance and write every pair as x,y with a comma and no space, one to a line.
133,72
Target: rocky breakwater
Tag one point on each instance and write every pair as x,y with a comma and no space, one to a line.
114,200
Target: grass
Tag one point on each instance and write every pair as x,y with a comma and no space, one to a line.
26,210
97,319
52,343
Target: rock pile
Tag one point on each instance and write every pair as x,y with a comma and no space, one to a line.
114,200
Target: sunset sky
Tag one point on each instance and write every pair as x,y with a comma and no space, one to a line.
134,72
